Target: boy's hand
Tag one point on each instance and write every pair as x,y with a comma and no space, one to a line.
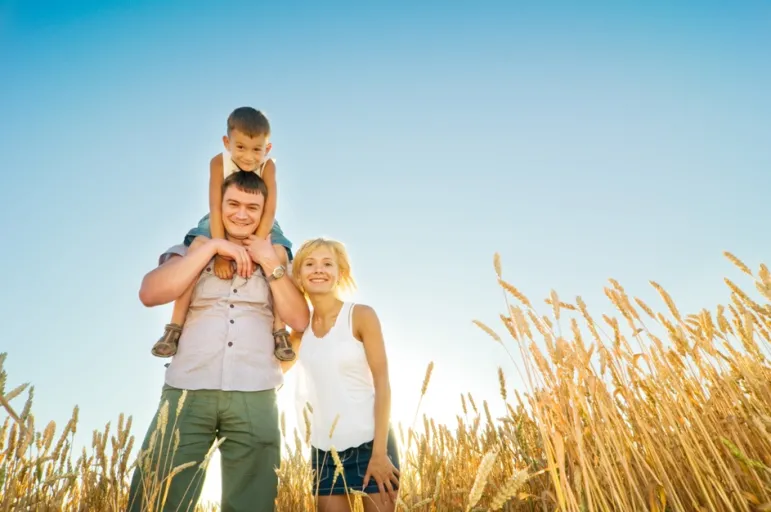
223,268
228,253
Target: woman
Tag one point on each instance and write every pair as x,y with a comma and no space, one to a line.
342,358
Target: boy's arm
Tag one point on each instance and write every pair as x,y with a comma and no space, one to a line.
269,212
222,267
216,177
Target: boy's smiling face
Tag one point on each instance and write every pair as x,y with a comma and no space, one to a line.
247,152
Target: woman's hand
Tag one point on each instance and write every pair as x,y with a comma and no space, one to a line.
385,474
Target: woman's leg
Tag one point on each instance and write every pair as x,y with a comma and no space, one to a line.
372,503
325,482
336,503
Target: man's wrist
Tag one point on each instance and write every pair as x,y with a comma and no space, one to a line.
269,265
213,245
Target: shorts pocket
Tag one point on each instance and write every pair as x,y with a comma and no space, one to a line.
323,468
363,456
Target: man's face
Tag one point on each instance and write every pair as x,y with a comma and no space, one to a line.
247,152
241,212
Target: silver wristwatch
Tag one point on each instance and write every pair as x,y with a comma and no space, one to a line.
277,273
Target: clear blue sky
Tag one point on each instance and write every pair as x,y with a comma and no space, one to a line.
580,141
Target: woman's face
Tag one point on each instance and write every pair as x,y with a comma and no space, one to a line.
319,272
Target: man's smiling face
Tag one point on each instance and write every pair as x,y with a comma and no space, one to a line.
241,212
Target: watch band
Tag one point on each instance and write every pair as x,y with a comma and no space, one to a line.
280,270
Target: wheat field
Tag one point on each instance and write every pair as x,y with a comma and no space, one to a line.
643,411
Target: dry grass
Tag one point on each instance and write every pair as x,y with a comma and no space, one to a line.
615,417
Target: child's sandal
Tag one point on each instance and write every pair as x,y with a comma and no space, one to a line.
283,350
167,345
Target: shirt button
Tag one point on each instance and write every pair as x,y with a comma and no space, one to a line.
232,306
230,343
235,290
208,269
232,321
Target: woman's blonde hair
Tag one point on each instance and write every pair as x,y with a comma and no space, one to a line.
345,281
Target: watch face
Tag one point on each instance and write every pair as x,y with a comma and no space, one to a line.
278,272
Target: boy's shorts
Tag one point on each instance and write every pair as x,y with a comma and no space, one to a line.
204,229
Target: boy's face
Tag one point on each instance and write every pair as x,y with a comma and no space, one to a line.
247,152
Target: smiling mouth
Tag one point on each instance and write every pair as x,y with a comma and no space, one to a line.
318,280
245,166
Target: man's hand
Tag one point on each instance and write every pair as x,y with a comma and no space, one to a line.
261,251
227,251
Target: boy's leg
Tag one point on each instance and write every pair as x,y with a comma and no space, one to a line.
251,452
202,229
283,350
166,346
176,439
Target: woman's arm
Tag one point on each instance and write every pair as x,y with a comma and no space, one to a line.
367,329
271,202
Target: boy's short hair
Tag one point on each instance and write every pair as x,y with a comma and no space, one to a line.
248,121
246,181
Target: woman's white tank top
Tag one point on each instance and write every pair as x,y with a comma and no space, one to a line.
338,385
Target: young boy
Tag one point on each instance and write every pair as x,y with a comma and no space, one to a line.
247,144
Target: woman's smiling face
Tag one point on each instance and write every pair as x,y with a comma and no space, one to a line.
319,271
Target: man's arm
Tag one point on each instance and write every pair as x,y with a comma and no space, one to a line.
167,282
290,304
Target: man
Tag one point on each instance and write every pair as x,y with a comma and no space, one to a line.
225,364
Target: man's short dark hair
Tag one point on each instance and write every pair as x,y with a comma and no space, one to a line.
247,182
249,121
